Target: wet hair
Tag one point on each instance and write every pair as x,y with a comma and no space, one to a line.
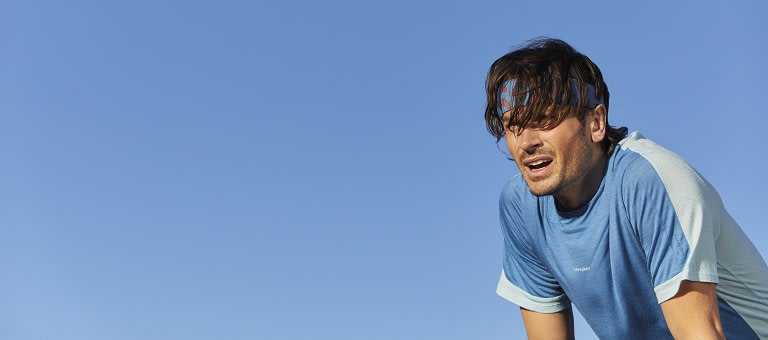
542,83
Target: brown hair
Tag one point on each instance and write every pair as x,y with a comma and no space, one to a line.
548,75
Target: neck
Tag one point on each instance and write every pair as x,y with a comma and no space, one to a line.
579,193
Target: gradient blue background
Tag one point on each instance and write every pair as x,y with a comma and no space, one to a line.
317,170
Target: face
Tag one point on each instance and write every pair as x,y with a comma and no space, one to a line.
557,161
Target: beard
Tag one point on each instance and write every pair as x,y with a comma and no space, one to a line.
568,175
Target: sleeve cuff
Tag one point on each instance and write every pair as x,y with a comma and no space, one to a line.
669,288
514,294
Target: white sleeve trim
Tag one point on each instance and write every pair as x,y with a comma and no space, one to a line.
514,294
669,288
697,207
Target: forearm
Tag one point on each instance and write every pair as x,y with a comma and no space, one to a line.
693,312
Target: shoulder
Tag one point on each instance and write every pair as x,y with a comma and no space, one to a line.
515,196
518,209
512,189
636,156
640,162
664,162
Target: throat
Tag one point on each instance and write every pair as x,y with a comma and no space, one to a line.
578,194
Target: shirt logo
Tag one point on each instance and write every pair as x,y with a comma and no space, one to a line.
582,269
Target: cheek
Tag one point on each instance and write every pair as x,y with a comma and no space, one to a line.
511,144
510,139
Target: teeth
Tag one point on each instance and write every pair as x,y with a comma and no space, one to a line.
537,163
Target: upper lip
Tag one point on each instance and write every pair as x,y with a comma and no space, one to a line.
531,160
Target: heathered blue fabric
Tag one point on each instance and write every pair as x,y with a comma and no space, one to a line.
616,257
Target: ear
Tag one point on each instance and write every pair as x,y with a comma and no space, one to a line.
597,122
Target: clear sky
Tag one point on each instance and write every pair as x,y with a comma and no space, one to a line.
317,169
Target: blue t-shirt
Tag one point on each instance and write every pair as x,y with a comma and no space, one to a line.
653,223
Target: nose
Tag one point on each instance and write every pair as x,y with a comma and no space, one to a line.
529,140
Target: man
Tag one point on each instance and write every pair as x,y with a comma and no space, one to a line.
615,224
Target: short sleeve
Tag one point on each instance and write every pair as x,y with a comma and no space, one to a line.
674,212
525,279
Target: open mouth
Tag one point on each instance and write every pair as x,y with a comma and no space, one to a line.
539,164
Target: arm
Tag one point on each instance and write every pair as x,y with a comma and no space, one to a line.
549,326
693,312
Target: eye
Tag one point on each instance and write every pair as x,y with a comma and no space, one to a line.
542,121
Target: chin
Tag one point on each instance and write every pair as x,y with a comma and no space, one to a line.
540,190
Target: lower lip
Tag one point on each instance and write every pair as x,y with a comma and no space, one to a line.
538,172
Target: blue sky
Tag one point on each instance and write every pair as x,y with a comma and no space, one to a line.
317,170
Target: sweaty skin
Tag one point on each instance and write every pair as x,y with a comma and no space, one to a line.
565,161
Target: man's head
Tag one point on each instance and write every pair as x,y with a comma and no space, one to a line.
551,104
545,76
